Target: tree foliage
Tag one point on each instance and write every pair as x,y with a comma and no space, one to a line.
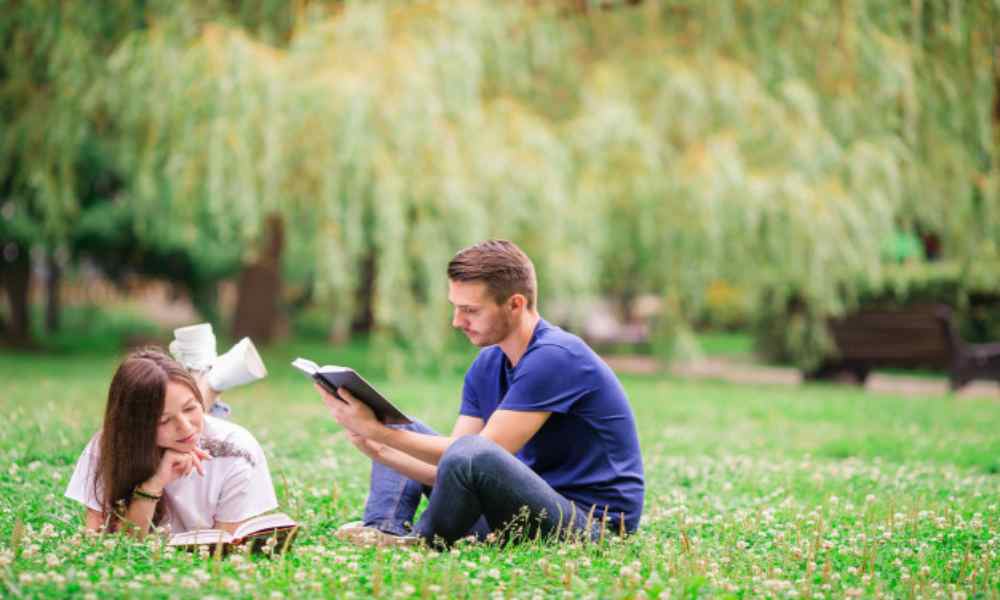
649,149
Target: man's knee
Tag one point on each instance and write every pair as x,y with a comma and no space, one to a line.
473,451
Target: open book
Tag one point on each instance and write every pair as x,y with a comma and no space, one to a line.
275,531
333,377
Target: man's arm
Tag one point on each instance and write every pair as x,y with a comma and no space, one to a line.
466,425
405,464
509,429
426,448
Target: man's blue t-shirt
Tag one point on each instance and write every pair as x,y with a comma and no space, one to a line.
588,449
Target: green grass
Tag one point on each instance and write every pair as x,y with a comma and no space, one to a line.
725,343
751,491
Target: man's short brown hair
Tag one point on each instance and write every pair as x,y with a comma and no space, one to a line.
501,265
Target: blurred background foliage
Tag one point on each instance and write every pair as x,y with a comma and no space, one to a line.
749,163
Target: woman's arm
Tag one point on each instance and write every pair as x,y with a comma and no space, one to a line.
138,517
94,520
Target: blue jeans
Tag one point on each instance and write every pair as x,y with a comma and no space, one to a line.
480,489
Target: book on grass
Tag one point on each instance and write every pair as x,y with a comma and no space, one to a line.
275,531
332,377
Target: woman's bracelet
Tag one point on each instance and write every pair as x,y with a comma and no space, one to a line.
138,493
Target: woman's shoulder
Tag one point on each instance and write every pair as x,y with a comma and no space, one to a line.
93,447
230,434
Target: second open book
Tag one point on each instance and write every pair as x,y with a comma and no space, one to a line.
275,529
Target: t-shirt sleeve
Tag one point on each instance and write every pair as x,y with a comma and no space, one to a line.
81,485
470,399
470,402
547,379
247,490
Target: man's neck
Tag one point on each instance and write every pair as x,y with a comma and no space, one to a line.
515,344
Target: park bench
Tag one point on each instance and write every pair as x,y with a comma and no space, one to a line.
918,336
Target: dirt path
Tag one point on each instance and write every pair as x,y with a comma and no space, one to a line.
737,371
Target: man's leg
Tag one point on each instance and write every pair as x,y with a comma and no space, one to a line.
393,498
479,479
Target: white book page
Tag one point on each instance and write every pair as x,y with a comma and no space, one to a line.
201,536
263,523
304,364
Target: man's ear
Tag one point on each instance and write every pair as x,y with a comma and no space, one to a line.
517,301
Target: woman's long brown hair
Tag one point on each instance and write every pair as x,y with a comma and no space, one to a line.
128,451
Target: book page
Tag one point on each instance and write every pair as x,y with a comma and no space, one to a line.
200,536
263,523
304,364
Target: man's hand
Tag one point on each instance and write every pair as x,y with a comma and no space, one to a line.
352,414
369,448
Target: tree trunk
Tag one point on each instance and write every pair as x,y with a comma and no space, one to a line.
16,278
259,288
53,281
364,315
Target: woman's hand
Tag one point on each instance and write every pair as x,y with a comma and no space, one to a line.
173,466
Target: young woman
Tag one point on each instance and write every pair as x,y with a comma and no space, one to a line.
159,460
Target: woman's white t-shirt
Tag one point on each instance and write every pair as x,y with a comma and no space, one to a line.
232,489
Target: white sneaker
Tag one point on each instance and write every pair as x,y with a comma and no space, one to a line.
357,533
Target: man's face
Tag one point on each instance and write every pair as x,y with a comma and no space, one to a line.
475,312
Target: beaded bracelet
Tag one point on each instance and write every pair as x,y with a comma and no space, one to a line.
137,492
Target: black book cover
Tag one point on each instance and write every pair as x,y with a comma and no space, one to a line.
333,377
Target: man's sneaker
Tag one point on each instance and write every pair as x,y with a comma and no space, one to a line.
357,533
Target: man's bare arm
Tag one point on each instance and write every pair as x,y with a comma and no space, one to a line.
423,447
466,425
407,465
511,429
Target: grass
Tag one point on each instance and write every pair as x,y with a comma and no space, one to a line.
725,343
816,491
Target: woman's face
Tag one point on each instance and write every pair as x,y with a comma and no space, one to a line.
182,420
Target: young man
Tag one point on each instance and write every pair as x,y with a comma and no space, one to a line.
545,441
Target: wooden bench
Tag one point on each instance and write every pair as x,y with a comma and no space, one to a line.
918,336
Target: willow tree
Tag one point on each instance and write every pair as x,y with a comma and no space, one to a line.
59,191
655,148
366,137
